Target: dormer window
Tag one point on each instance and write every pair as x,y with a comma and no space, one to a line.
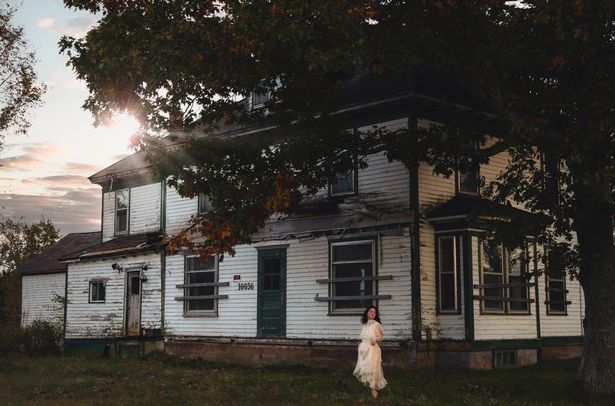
121,211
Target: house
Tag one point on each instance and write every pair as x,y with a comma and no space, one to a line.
409,241
43,279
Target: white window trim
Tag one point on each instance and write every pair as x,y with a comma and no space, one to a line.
91,291
353,174
115,211
505,264
356,310
455,274
201,313
199,200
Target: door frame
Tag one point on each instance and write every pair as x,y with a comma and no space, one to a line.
127,294
265,253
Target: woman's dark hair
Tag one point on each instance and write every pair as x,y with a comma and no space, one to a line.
364,317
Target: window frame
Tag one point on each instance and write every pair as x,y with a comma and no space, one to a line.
116,210
200,198
362,241
548,289
354,172
186,291
103,283
505,265
458,190
458,269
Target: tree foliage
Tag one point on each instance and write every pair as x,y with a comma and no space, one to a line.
541,69
20,89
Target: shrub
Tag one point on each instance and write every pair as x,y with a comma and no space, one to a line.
11,339
42,338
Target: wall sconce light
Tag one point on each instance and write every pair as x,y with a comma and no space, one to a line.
115,266
143,277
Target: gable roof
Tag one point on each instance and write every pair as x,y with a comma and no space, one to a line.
48,261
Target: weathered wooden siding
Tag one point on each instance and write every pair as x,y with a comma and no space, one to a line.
108,218
500,326
307,261
37,293
236,315
145,208
99,320
384,184
178,211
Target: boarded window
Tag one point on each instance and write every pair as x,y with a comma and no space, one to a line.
354,261
201,276
448,268
121,211
97,291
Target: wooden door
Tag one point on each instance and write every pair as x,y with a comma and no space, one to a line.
133,304
271,309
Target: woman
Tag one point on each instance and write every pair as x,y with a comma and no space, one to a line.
369,362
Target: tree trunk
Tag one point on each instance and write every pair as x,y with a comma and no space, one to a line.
597,276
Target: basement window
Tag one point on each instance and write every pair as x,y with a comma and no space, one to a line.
504,359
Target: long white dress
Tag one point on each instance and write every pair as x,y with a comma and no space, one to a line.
369,361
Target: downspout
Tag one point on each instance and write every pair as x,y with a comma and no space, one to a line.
163,228
65,304
536,293
468,277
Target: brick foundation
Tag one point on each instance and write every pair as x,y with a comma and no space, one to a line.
254,352
562,351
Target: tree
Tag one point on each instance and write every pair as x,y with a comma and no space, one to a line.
541,69
19,241
19,86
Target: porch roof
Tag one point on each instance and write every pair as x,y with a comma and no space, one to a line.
122,245
470,206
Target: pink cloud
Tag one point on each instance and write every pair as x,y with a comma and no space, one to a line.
33,155
81,168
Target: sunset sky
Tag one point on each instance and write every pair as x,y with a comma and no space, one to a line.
45,172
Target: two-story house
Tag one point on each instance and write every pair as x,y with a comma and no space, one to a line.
408,241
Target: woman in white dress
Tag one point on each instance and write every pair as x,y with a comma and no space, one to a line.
369,361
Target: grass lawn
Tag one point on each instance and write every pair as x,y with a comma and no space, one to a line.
161,380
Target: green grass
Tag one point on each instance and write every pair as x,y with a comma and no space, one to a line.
162,380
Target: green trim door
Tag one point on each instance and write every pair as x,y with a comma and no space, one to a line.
271,308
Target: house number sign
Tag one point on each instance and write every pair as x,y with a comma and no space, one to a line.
246,285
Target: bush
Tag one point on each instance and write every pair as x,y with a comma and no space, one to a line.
42,338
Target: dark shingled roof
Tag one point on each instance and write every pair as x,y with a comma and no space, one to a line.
123,245
474,206
49,260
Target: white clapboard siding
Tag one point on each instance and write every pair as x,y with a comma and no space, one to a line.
236,315
108,216
307,261
307,318
385,184
178,211
99,320
37,294
500,326
145,208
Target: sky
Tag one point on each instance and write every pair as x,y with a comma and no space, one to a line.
44,173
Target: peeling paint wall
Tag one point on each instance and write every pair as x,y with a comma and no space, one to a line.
37,294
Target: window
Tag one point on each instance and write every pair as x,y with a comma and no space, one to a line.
258,99
121,211
344,183
353,262
504,359
468,181
448,273
97,291
551,180
556,287
204,203
201,287
504,278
